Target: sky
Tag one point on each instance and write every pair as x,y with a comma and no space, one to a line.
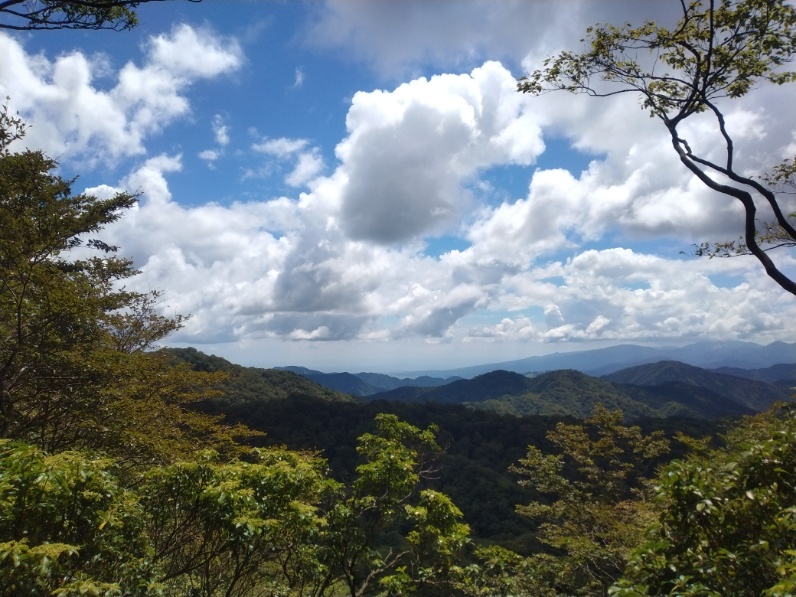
358,186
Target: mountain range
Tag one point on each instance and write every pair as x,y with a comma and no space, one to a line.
663,389
365,384
478,418
602,361
773,364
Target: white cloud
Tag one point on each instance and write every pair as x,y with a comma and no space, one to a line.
552,316
221,135
279,269
220,130
345,263
209,155
308,162
193,54
308,269
308,166
410,153
71,115
281,147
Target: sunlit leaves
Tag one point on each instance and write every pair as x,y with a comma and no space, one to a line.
727,524
221,526
66,522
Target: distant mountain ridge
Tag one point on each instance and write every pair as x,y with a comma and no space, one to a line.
365,384
756,395
781,374
771,364
602,361
663,389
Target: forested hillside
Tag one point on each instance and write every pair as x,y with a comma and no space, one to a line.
251,384
473,469
656,390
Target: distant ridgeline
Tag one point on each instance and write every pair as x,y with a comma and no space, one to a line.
701,381
665,388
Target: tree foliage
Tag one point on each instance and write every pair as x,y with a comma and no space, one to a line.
26,15
596,505
361,546
273,524
728,519
719,49
68,527
77,365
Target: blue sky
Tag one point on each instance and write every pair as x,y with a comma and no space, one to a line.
352,185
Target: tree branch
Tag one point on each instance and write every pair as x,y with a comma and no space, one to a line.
750,209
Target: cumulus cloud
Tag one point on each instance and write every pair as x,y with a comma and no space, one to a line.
280,269
323,267
634,188
73,115
411,152
342,259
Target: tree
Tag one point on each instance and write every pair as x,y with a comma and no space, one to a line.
594,508
727,525
77,365
364,548
719,49
25,15
235,528
73,523
68,527
274,523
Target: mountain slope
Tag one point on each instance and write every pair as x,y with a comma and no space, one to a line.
663,389
251,384
566,392
679,399
782,372
755,395
365,384
489,385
